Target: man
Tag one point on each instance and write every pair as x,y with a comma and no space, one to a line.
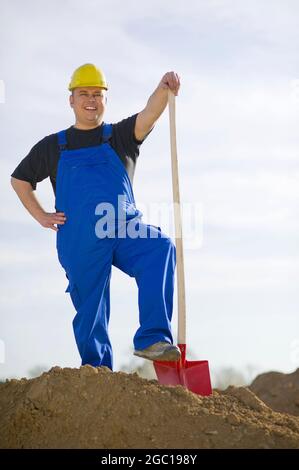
91,167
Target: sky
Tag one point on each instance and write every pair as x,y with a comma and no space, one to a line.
237,134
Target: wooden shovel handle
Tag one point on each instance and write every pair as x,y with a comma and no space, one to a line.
177,223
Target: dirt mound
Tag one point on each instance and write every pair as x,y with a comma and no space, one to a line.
279,391
96,408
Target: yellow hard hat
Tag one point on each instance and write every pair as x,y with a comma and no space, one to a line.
88,75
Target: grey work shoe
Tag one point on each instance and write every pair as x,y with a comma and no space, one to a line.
161,351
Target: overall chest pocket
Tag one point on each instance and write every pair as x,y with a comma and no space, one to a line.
95,161
88,181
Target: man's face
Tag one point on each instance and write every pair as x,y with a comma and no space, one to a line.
89,105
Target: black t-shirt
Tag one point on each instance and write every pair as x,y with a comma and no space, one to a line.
42,160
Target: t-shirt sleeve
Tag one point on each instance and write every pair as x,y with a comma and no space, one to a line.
34,167
123,138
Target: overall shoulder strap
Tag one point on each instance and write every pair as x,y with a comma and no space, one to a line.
62,142
107,133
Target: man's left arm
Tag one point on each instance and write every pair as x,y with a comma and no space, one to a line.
156,104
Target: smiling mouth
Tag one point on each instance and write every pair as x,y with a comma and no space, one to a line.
90,108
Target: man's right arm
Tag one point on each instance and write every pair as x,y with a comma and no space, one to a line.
26,195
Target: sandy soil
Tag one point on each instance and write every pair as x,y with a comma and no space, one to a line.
279,391
96,408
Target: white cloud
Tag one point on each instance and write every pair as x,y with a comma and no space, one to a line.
223,272
237,121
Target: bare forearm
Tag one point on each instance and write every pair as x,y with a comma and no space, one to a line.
26,195
158,100
156,104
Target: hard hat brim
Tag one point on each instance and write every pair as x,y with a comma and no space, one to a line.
88,85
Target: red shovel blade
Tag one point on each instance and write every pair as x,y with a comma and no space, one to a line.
194,375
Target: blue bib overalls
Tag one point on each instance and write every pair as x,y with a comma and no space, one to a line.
86,178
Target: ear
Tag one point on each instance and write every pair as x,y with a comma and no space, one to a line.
71,101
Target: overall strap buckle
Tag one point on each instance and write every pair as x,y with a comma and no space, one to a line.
62,142
107,133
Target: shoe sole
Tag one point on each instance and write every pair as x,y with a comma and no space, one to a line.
172,356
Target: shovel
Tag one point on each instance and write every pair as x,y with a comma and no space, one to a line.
194,375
